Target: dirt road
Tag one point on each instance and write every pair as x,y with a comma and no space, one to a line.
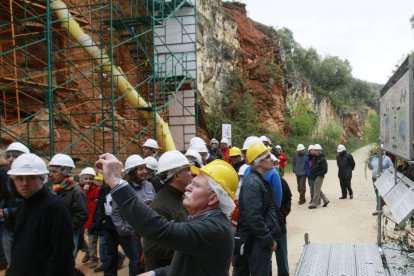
343,221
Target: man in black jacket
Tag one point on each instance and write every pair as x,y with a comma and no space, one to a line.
43,241
258,215
203,244
346,165
317,173
174,169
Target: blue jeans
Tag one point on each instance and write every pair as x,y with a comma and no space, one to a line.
258,262
102,249
7,239
132,249
282,257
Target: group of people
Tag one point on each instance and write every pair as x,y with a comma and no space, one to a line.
171,211
192,213
312,166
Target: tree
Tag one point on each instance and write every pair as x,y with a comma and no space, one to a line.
334,73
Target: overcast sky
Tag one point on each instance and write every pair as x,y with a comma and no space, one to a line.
373,35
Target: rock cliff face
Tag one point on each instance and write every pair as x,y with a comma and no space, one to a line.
229,40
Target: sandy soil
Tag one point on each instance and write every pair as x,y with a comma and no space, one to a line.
343,221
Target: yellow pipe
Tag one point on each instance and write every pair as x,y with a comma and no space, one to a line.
69,23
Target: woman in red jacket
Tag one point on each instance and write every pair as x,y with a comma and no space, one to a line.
88,184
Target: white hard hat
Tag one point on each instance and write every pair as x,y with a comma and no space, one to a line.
196,140
151,143
274,158
62,160
317,147
28,164
195,154
264,139
278,147
198,147
224,140
214,141
88,170
170,160
251,140
300,147
242,169
133,161
311,147
151,163
17,146
341,148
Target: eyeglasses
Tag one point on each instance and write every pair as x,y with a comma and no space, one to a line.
13,154
197,185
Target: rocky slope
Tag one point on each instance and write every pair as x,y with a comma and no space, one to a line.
229,40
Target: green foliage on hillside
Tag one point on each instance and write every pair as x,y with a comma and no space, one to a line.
236,106
328,75
300,118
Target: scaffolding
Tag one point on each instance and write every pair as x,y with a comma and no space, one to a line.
56,97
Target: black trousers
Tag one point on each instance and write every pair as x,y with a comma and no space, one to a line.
345,186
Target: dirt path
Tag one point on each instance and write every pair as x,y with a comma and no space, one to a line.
343,221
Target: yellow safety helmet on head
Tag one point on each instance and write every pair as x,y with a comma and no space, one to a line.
221,172
99,177
235,151
255,151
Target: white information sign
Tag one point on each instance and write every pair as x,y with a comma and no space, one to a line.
400,200
396,113
386,181
226,131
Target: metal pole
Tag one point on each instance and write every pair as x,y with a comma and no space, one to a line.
50,90
379,199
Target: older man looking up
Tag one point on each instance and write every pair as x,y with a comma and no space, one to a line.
203,244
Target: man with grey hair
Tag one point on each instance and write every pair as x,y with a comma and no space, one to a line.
258,215
60,172
174,171
204,243
43,232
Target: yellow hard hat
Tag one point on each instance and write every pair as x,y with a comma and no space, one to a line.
255,151
221,172
99,176
235,151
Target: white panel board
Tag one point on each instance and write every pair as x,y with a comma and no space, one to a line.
396,115
400,200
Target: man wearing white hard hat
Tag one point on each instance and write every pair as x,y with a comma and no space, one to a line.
346,165
60,173
308,165
152,167
225,150
150,148
8,199
214,149
135,173
204,244
317,173
43,243
88,184
298,167
174,171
